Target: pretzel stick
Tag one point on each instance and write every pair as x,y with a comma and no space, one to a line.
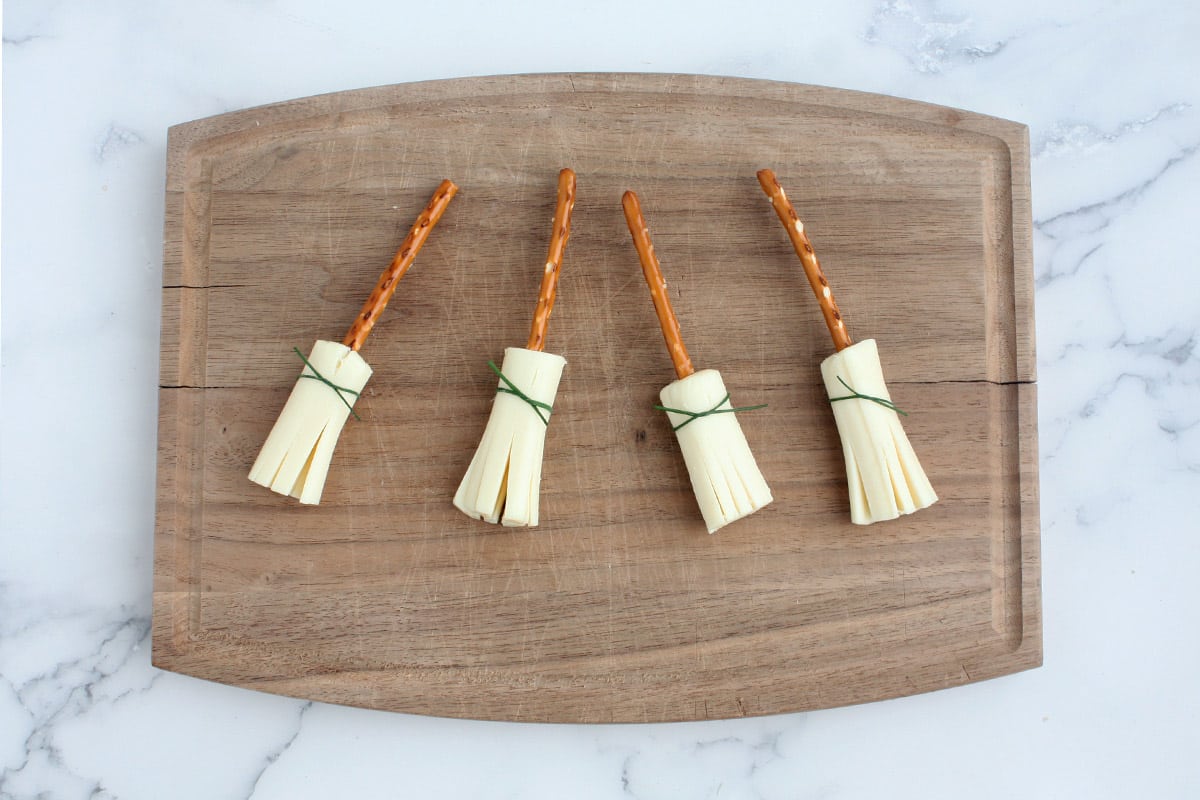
403,259
658,285
558,243
804,249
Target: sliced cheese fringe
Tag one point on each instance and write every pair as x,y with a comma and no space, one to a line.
295,458
504,478
884,476
725,478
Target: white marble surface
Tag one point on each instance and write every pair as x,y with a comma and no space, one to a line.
1110,92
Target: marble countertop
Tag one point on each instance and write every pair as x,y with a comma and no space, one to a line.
1109,92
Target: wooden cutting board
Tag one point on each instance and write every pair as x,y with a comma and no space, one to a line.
619,607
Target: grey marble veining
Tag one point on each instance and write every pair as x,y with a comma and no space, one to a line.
1109,92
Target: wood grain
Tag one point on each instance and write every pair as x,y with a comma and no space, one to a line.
619,607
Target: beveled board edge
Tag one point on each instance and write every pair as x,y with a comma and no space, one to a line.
184,304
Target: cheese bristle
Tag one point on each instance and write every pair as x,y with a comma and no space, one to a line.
295,458
724,475
884,476
503,481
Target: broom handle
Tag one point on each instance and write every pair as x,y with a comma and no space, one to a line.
558,243
658,285
804,249
403,259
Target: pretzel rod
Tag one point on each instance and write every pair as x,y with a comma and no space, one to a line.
558,243
403,259
804,249
658,285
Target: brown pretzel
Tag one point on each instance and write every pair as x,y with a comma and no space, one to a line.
558,243
804,249
658,285
403,259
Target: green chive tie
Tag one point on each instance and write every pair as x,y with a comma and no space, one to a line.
316,376
692,416
856,396
512,389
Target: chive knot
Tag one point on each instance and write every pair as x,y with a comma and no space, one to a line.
692,416
512,389
339,390
854,395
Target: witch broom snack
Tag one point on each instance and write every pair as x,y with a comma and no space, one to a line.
885,479
295,458
724,476
504,478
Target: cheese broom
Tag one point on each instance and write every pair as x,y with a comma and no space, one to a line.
884,477
295,458
725,478
504,477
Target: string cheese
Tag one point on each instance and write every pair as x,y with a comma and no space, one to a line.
504,478
884,476
295,458
725,478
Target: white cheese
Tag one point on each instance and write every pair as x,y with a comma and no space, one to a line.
503,482
295,458
725,478
882,471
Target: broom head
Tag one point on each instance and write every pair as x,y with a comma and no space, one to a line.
882,471
503,481
725,478
295,458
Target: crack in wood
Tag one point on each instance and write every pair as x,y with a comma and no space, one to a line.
963,380
209,286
